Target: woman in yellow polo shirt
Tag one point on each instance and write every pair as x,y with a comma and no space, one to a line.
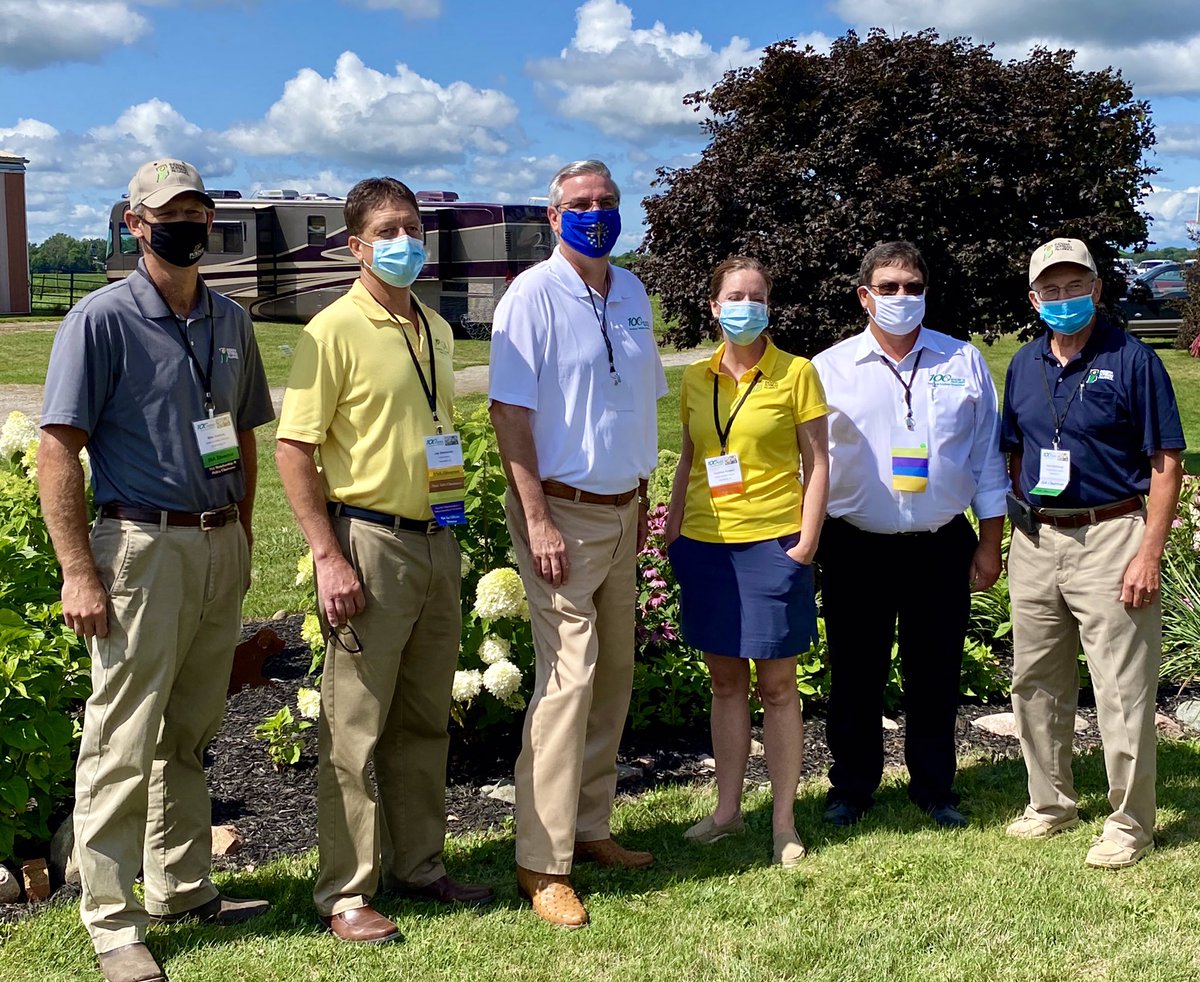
754,460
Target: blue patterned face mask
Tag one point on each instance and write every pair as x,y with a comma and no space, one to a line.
397,261
593,233
743,320
1068,316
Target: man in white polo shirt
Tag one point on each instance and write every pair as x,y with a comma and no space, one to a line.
575,376
913,442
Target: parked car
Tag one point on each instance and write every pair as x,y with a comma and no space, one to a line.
1148,264
1152,302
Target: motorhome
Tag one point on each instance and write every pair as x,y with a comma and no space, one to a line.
287,258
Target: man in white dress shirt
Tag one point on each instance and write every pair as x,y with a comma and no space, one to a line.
913,442
574,379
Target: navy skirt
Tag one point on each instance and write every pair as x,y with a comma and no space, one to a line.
744,599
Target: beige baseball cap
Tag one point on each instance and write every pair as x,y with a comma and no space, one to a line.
1059,251
158,181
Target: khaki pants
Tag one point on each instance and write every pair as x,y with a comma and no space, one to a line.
1066,589
159,682
583,640
388,705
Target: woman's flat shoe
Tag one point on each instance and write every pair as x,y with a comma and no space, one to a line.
707,831
789,850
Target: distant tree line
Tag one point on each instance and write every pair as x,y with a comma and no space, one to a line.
62,253
1176,254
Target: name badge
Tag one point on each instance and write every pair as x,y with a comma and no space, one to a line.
1055,473
447,478
218,443
724,475
910,460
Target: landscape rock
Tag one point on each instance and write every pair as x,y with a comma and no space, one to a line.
504,791
625,772
1082,725
890,724
756,748
1167,726
10,889
998,724
1188,713
37,880
708,764
64,866
279,615
226,840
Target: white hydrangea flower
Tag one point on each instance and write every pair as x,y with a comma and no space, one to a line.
17,433
308,701
466,685
311,632
493,649
304,569
502,679
86,463
500,593
464,565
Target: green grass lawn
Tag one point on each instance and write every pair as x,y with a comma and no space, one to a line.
893,900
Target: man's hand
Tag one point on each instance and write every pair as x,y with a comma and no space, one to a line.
643,530
550,560
985,567
341,594
1141,584
85,606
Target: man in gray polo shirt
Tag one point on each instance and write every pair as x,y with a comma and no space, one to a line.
161,380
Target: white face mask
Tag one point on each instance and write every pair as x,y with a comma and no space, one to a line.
899,315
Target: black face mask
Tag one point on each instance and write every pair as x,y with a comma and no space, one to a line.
179,243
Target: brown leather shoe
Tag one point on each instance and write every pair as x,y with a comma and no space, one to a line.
131,963
609,852
362,925
554,899
220,910
444,890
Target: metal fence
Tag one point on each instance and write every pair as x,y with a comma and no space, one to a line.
56,293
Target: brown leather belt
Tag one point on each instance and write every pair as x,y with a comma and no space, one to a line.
1090,516
205,520
556,489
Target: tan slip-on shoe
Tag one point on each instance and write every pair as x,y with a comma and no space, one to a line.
1032,827
1106,854
788,850
609,852
707,831
554,899
131,963
361,925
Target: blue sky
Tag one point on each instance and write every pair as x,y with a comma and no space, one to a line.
486,98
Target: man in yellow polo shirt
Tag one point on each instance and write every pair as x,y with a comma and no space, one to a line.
372,389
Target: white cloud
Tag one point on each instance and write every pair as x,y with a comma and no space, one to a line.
37,33
410,8
513,179
1172,210
1156,46
1182,139
630,83
363,116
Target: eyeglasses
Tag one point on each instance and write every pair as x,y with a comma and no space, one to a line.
344,637
1074,289
890,289
584,204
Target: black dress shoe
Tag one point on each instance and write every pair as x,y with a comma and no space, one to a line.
947,816
843,814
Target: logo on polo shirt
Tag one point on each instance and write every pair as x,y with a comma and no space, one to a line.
441,346
1098,375
228,355
636,323
940,379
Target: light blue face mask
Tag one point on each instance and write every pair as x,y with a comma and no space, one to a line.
397,261
743,320
1068,316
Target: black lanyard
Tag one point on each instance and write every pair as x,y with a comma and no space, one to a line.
602,320
907,386
1060,421
206,376
430,387
723,434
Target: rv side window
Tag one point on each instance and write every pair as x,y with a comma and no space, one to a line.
316,230
129,245
226,237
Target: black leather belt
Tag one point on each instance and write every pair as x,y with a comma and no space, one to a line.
556,489
205,520
1090,516
395,522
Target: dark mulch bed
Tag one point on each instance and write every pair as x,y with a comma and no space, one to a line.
275,810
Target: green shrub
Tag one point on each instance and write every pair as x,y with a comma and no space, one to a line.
1181,590
43,666
1189,328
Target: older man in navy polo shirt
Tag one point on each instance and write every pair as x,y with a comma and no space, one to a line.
1094,438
